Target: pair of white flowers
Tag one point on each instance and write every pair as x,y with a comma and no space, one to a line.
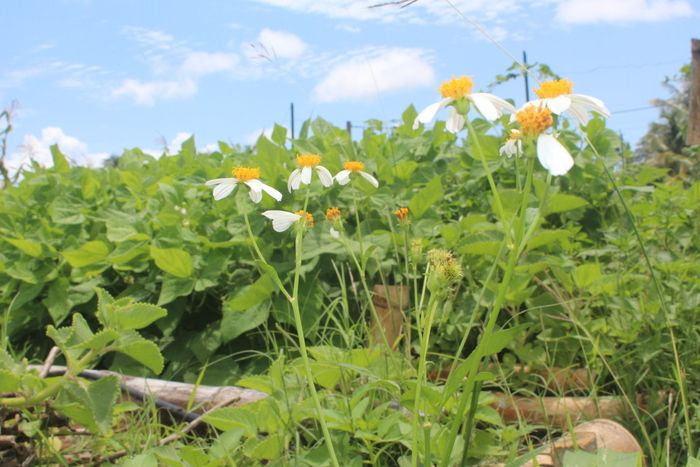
534,118
308,163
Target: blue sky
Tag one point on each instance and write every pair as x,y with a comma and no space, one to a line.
98,76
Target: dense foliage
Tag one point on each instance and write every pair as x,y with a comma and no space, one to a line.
582,294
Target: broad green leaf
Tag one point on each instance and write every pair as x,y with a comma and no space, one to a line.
143,351
141,460
426,198
587,274
9,382
481,248
30,247
135,316
229,418
561,202
251,295
173,261
60,163
103,394
235,323
57,301
173,287
89,253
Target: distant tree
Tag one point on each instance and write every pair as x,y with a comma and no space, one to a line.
664,144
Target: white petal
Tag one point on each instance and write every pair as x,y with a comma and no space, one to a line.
293,181
558,105
455,122
553,156
343,177
222,190
335,233
257,185
306,175
590,103
579,113
281,220
428,114
217,181
369,178
255,196
490,106
324,175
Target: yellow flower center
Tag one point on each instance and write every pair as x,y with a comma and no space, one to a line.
554,88
354,166
534,120
308,160
332,214
457,87
307,216
246,173
401,214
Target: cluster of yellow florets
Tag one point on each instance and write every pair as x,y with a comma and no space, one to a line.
246,173
457,88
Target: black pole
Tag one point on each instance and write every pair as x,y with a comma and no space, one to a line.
291,111
348,127
526,73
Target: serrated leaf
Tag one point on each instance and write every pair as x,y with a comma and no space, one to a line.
104,299
89,253
173,261
100,340
143,351
29,247
174,287
561,202
103,394
9,382
135,315
57,301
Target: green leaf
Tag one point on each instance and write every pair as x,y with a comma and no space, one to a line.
561,202
587,274
9,382
426,198
173,261
602,458
60,163
229,418
29,247
143,351
135,316
251,295
57,301
235,323
174,287
89,253
103,394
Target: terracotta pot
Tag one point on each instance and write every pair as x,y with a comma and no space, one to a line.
390,301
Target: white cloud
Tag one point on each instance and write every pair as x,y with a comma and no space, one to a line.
206,63
38,149
174,145
621,11
387,71
348,28
147,92
281,44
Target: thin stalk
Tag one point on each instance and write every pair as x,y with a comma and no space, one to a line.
495,311
470,421
302,345
487,170
275,279
422,375
358,228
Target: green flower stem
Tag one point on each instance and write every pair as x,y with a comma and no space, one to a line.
358,229
478,353
422,378
302,345
275,278
487,170
365,287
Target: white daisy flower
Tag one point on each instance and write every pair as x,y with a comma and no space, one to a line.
513,145
307,163
534,121
247,175
283,220
343,177
452,91
558,97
